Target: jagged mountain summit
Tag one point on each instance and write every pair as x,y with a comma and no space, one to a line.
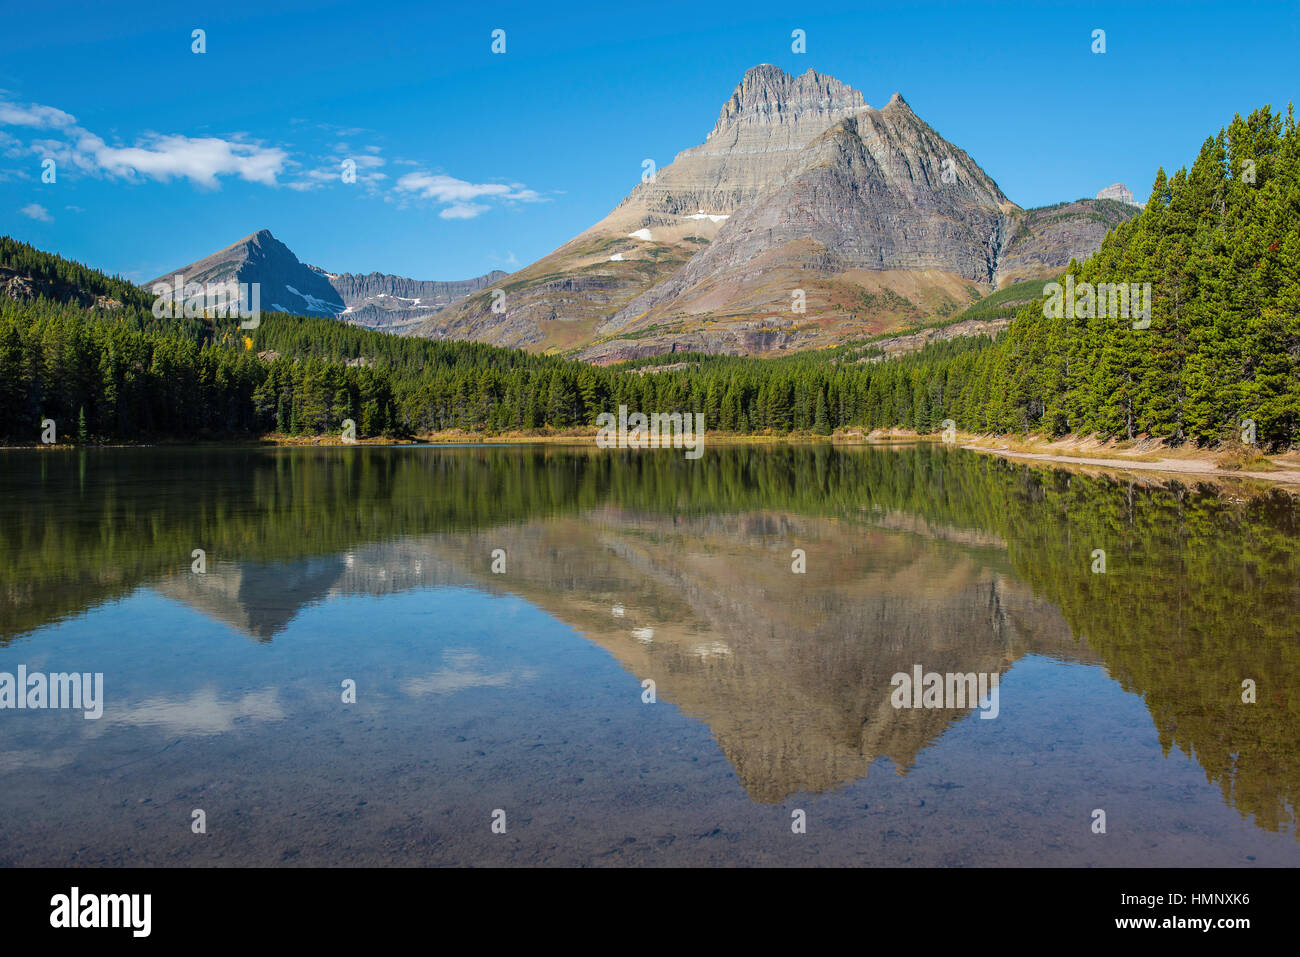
802,195
390,303
559,300
286,284
769,119
375,300
1118,192
870,193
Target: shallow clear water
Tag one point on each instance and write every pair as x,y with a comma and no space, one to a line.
521,689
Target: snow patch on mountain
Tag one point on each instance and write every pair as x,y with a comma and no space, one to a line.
711,217
320,305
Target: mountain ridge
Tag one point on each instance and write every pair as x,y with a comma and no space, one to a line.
374,300
286,284
805,218
385,301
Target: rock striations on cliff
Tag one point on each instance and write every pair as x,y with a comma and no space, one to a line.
390,303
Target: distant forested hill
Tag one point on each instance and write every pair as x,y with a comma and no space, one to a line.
27,272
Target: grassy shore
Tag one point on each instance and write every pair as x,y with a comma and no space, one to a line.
565,437
1232,461
1139,455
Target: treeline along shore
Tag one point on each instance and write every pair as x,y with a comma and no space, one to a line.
1216,357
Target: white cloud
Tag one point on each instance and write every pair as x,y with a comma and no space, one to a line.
203,712
462,674
363,167
459,196
11,114
205,160
202,160
11,146
38,212
463,210
198,159
447,189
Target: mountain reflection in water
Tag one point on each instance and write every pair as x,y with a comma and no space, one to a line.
682,572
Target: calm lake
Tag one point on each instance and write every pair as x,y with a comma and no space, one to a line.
498,609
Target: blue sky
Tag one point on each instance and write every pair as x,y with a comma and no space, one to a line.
469,161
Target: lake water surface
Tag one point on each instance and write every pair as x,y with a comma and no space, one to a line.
499,608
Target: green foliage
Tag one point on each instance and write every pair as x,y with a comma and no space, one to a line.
70,279
139,378
1004,303
1222,255
1221,252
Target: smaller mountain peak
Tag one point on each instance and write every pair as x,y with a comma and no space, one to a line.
1119,192
260,238
897,100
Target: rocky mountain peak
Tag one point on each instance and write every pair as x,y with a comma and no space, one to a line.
286,285
375,300
261,238
800,185
768,95
1118,192
263,242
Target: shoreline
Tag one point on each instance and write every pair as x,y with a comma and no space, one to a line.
1171,466
1147,456
451,438
1155,457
